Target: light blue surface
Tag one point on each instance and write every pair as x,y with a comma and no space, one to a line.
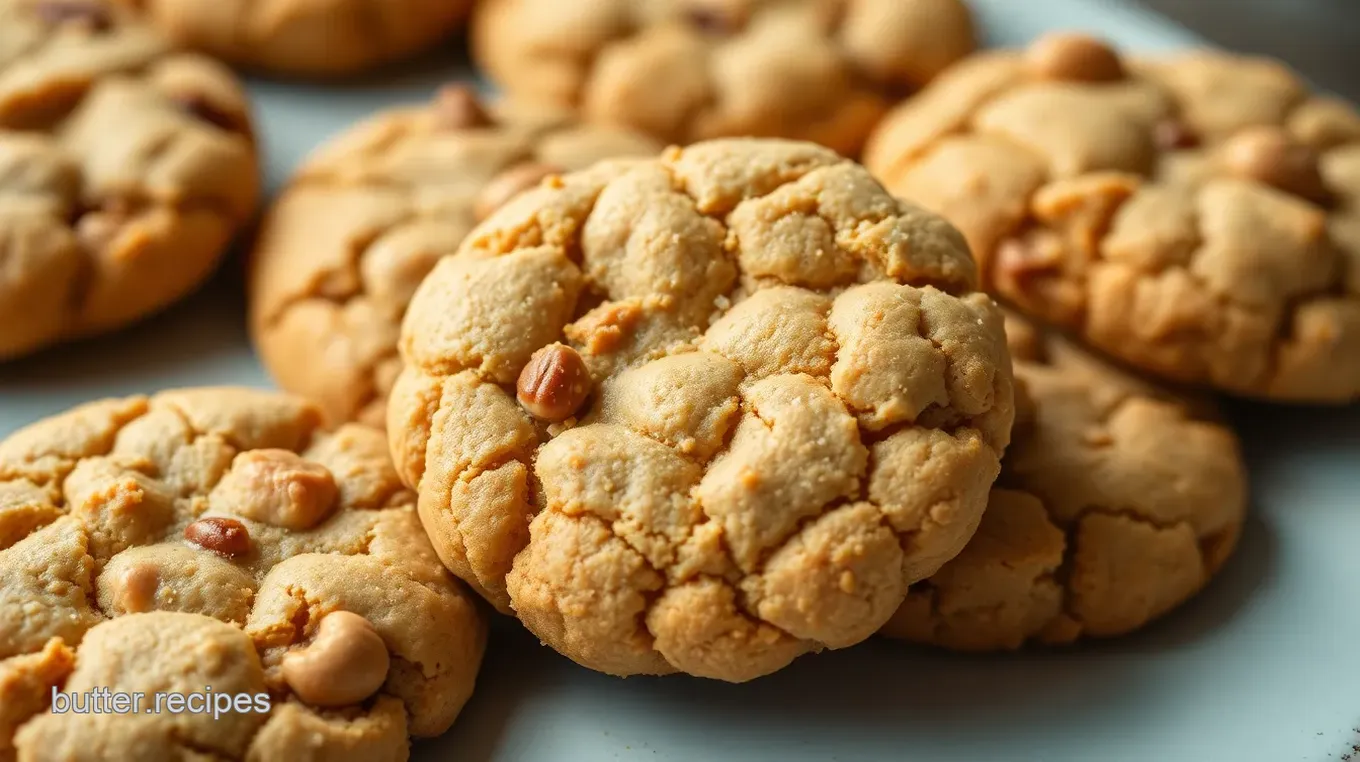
1264,666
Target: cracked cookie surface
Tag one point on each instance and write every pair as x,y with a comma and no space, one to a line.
1117,501
220,537
312,38
793,406
1196,216
125,170
688,70
364,220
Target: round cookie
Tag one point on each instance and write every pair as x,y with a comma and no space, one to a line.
362,223
1196,216
125,170
219,537
688,70
702,413
1117,501
308,38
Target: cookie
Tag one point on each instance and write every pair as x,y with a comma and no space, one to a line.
702,413
1118,500
125,170
1196,216
219,540
362,223
687,70
308,38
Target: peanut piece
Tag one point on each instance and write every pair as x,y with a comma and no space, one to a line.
98,228
201,107
511,183
458,107
137,586
716,18
1173,135
278,488
1269,155
346,663
85,12
1018,259
554,384
1074,57
225,537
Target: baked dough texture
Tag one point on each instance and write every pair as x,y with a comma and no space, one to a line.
1117,502
796,407
688,70
100,589
363,221
306,38
125,170
1196,216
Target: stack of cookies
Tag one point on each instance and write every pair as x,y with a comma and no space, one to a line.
635,353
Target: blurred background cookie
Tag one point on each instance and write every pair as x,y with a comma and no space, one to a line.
364,220
1196,216
702,413
1118,500
233,543
311,38
687,70
125,170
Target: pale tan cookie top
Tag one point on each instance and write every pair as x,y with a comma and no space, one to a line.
312,38
687,70
1197,216
1117,502
124,171
221,537
362,223
789,405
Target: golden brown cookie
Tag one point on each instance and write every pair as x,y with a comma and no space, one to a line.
365,219
124,171
309,38
1117,501
702,413
1196,216
687,70
220,537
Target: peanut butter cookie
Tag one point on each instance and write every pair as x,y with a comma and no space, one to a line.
125,170
1117,501
366,218
702,413
686,70
1197,216
219,537
310,38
